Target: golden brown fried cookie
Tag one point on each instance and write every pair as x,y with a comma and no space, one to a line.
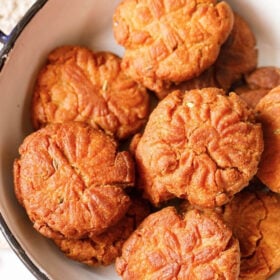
104,248
268,110
70,179
77,84
200,145
258,83
238,56
254,219
194,246
170,41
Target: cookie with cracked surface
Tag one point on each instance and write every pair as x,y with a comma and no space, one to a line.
104,248
70,178
77,84
200,145
237,57
170,41
254,219
167,245
269,115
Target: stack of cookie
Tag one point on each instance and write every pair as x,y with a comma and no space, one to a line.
71,177
206,158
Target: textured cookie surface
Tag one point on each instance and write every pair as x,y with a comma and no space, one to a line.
238,56
70,179
200,145
79,85
254,219
170,41
168,246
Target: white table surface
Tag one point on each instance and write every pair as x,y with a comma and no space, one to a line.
11,267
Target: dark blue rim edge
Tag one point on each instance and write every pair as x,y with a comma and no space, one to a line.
4,52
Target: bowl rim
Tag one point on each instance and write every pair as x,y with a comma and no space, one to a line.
4,52
18,28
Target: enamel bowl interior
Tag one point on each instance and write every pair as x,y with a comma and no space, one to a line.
88,23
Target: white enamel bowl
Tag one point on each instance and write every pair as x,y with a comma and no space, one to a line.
87,22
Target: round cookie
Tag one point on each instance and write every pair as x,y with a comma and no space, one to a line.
70,178
268,110
196,245
104,248
254,219
77,84
199,145
170,41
